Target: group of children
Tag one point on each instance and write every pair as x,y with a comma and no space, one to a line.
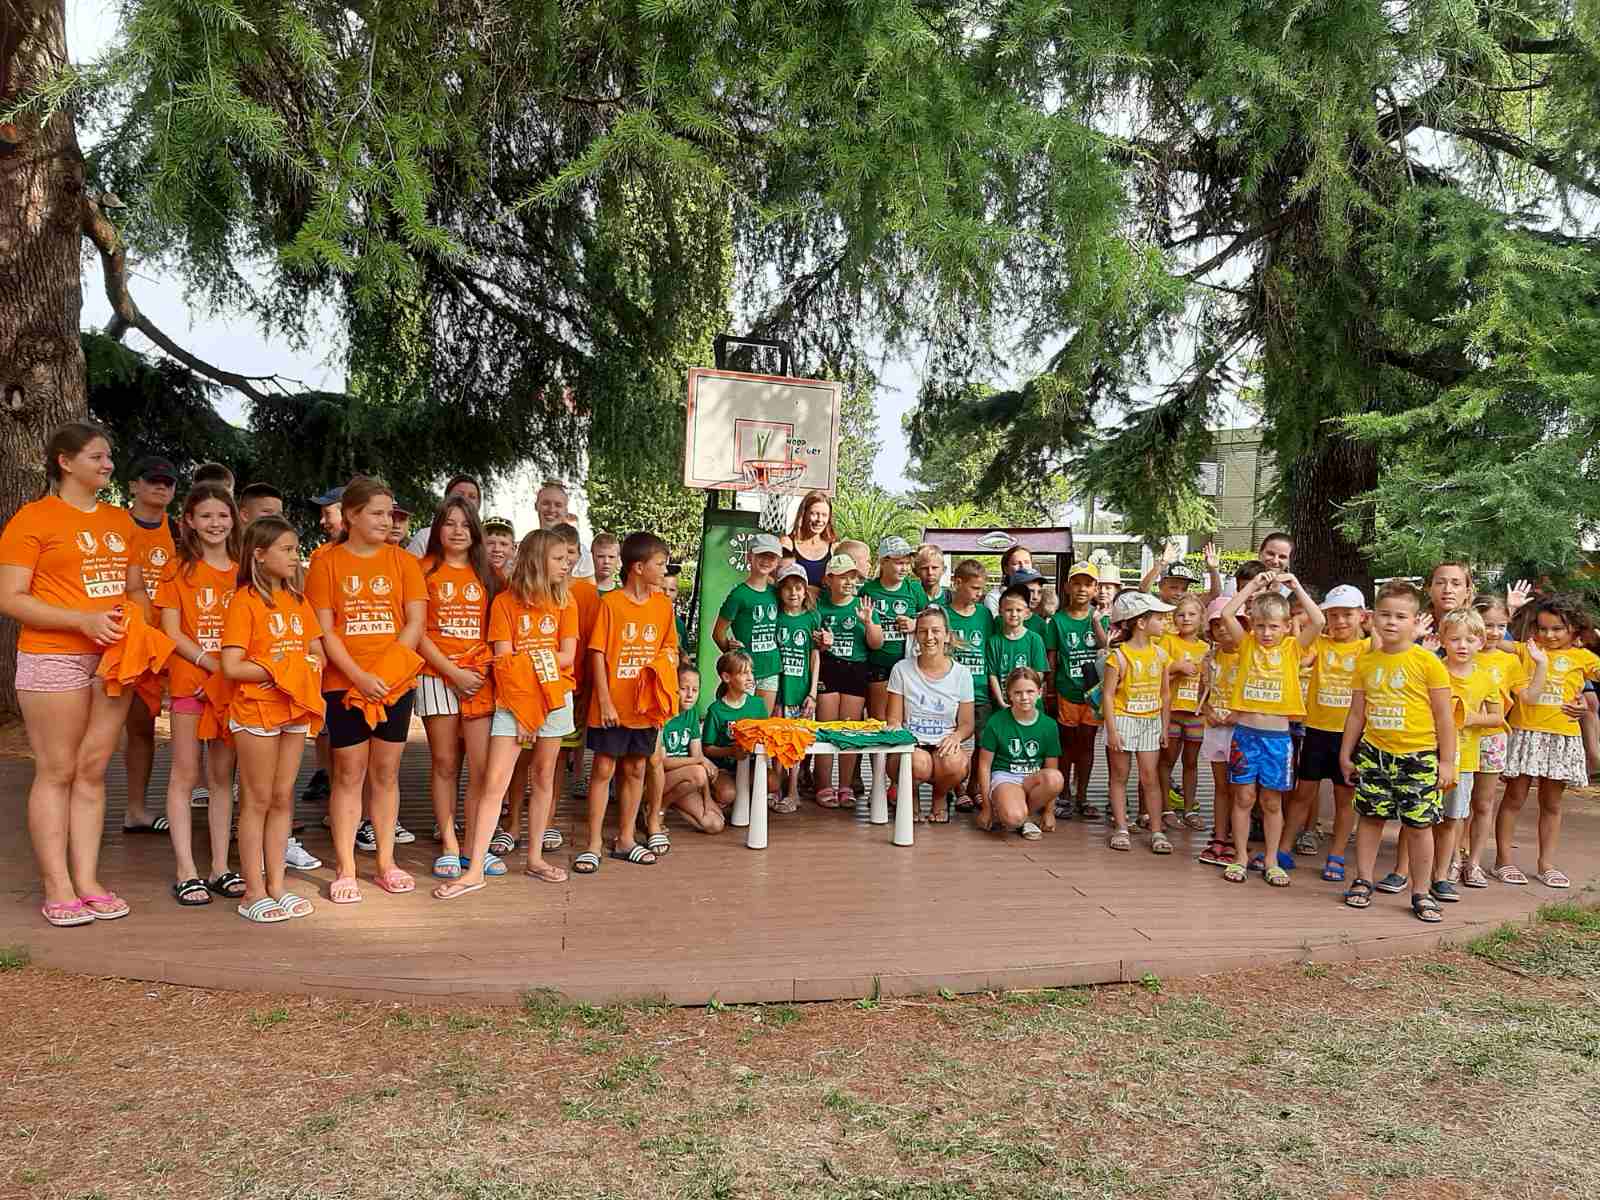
520,656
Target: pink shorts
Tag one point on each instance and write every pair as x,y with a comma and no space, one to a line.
55,672
189,706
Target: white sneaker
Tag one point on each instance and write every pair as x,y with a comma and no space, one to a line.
199,797
297,856
402,835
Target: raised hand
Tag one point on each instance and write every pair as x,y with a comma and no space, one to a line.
1518,594
1212,558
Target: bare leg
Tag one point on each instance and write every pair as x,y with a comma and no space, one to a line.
1117,783
348,781
184,775
1505,823
1484,796
55,722
219,811
1550,793
445,755
541,802
139,756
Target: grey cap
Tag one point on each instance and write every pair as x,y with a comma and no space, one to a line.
894,546
331,496
1131,604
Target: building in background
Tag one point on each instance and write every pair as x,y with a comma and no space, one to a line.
1237,479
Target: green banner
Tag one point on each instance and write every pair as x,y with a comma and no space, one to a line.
723,566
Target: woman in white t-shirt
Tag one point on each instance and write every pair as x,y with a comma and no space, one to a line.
931,695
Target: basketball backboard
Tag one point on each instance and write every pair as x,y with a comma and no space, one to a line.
771,432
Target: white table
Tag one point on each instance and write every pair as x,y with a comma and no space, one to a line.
755,815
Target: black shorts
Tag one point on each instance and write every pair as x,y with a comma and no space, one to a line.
1319,756
878,672
622,742
347,727
843,678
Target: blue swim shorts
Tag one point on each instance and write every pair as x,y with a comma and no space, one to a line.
1264,757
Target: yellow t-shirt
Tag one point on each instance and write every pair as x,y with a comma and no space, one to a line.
1224,666
1139,675
1467,696
1399,709
1267,679
1563,683
1333,668
1185,688
1501,664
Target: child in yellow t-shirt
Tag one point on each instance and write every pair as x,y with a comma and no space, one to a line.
1545,743
1475,703
1186,655
1502,667
1399,746
1135,708
1217,740
1266,695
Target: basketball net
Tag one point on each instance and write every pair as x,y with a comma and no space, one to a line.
765,478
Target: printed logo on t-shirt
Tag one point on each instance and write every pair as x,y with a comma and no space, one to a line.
351,585
381,585
158,554
447,590
547,624
630,631
277,624
472,593
524,624
650,633
296,624
86,542
115,544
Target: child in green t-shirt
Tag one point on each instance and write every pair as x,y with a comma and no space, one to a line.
1073,639
748,619
848,632
1013,645
798,624
927,564
687,783
736,701
1017,756
971,624
896,600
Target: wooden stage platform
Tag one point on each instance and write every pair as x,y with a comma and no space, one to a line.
830,911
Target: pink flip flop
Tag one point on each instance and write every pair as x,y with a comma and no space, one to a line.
119,906
64,913
395,881
345,890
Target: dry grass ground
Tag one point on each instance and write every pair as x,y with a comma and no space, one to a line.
1473,1072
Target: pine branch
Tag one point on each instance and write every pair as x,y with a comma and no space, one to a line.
1494,139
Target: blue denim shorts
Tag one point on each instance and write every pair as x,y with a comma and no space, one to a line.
1264,757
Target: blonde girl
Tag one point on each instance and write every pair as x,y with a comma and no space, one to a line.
191,601
1186,654
1136,706
800,660
269,620
1018,753
1502,666
537,616
736,700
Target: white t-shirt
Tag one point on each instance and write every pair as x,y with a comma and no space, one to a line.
418,545
931,705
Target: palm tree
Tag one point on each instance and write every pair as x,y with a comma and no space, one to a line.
870,516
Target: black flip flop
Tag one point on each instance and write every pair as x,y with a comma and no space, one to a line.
160,826
222,883
185,892
635,854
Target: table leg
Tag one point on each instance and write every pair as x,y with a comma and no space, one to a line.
905,804
757,837
741,794
878,812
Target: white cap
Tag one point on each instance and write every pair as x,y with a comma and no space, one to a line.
792,570
894,546
1344,596
1131,604
766,543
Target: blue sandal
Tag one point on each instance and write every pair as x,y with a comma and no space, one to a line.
1334,871
447,866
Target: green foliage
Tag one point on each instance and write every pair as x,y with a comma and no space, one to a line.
951,460
859,442
625,502
871,516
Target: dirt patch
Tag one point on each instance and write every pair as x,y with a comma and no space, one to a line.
1461,1073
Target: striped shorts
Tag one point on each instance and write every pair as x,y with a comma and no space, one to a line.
436,698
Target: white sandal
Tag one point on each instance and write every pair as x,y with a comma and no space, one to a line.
264,911
294,905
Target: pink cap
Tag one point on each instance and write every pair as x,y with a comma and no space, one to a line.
1214,610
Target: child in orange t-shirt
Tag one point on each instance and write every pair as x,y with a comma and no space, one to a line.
634,626
151,548
269,621
533,619
369,596
63,578
191,603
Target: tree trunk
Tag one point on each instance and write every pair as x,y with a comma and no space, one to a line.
41,295
1318,484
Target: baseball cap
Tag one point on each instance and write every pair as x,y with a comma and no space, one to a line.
1214,609
894,546
1026,575
1110,573
794,570
1180,570
1344,596
766,543
674,567
842,564
1133,603
152,467
332,496
1084,568
254,491
399,510
499,523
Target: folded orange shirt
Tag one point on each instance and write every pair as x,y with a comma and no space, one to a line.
397,666
786,741
217,693
142,652
657,697
518,687
481,703
298,679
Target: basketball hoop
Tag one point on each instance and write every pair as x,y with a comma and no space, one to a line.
766,477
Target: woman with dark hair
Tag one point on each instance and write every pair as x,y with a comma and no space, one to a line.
813,537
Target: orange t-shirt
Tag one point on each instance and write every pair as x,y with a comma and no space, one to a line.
458,608
267,635
153,551
630,634
79,561
201,594
587,596
536,630
368,598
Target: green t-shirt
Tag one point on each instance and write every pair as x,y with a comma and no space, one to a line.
1004,655
678,734
844,622
720,716
1036,623
907,600
1020,749
794,648
754,617
1072,640
969,638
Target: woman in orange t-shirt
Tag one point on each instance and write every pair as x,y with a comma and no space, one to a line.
537,617
269,621
191,602
368,595
63,578
460,583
